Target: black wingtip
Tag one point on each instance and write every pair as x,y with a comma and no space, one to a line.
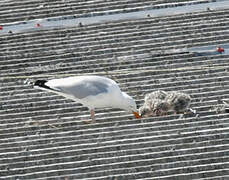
40,83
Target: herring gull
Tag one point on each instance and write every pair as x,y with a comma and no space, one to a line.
91,91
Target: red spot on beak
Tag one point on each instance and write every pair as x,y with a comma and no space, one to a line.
220,50
1,28
136,115
38,25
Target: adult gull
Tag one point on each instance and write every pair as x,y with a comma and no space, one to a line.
91,91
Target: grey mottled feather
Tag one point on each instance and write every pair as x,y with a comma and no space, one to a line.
179,101
159,94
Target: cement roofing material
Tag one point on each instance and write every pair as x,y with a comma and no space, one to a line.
43,136
14,11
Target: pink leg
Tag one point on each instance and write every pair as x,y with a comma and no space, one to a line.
92,115
92,112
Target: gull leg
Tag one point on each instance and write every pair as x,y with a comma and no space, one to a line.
92,112
92,115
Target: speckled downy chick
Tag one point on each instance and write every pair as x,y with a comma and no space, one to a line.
159,94
154,104
145,111
156,107
178,101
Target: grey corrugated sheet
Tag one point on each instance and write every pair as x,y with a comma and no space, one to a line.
17,10
43,136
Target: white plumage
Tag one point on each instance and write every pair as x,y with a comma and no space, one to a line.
91,91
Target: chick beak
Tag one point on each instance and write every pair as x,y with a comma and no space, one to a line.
136,114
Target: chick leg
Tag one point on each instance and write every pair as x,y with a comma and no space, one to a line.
157,112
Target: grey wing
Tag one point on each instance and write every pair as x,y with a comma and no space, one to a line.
84,89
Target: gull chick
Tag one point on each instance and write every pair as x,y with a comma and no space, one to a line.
156,107
160,102
178,101
159,94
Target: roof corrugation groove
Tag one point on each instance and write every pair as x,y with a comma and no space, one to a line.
13,11
44,136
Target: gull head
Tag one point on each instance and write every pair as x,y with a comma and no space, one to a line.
130,105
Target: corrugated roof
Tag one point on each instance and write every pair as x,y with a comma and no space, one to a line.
14,11
43,136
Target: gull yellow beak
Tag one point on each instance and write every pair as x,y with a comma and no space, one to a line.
136,115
